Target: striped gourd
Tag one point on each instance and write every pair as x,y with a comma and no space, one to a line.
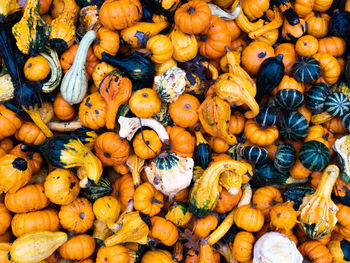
306,69
266,116
289,99
316,97
75,84
346,121
284,158
55,68
255,154
337,104
294,126
95,191
314,155
296,194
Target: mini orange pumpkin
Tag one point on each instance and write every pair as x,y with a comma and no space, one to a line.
306,46
161,48
334,46
36,68
242,247
237,122
145,103
34,159
315,251
203,226
106,41
260,136
30,133
226,201
265,197
9,120
62,109
184,111
147,144
5,218
114,254
249,218
182,142
317,24
283,216
163,230
218,145
6,144
78,247
148,200
255,9
92,111
123,189
289,56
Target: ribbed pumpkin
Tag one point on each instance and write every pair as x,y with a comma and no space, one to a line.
181,141
314,155
107,209
163,230
147,144
61,186
78,247
289,99
249,218
306,69
242,247
148,200
9,120
62,109
123,189
294,126
114,254
34,159
5,218
284,158
316,97
27,199
44,220
265,197
337,104
184,110
145,103
30,133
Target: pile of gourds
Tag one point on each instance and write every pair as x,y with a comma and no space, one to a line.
174,131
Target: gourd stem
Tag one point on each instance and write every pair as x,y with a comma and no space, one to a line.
328,179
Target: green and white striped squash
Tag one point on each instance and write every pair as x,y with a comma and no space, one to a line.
289,99
306,69
337,104
284,158
314,155
294,126
316,97
55,68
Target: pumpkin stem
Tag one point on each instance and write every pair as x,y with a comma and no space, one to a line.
191,10
203,38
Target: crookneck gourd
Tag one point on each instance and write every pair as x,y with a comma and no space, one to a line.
115,90
31,32
170,173
214,115
318,211
56,71
67,152
75,84
205,192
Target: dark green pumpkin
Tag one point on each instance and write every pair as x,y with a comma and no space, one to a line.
306,69
337,104
296,193
202,151
316,96
266,117
95,191
314,155
266,174
294,126
255,154
289,99
346,121
284,158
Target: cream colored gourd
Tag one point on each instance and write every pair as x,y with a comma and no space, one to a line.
75,84
36,246
56,71
7,90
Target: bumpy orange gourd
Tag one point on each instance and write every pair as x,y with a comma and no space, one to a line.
147,144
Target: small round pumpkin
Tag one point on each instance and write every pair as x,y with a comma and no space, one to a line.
27,199
36,68
315,251
114,254
78,247
110,149
100,72
334,46
163,230
306,46
317,24
145,103
203,226
117,15
6,144
92,111
185,45
34,159
5,218
77,216
61,186
242,247
147,144
157,256
265,197
148,200
30,133
106,41
260,136
254,54
62,109
193,17
218,145
330,68
237,122
9,120
123,189
249,218
106,209
226,201
161,48
184,111
181,141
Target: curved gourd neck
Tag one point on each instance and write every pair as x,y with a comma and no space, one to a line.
80,57
328,179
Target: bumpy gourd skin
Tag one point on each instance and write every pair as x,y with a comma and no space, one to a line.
31,32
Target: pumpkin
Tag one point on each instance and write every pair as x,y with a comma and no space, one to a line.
43,220
321,134
330,68
107,209
123,189
342,226
92,111
157,256
27,199
193,17
283,216
260,136
254,54
242,247
203,226
106,41
289,56
314,155
9,120
62,109
317,24
114,254
30,133
284,158
306,69
163,230
5,217
322,5
296,193
6,144
237,123
14,173
218,145
185,45
294,126
249,218
213,40
36,68
307,46
36,246
184,110
147,144
335,125
101,71
145,103
316,96
160,47
303,7
77,216
110,149
115,90
337,104
315,251
181,141
253,9
293,32
77,247
178,214
265,197
148,200
334,46
289,99
34,159
314,223
61,186
117,15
